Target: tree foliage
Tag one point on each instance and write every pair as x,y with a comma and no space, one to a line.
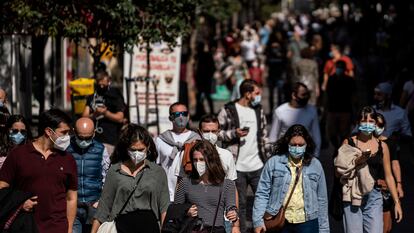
124,23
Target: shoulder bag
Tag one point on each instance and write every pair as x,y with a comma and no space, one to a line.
277,222
110,226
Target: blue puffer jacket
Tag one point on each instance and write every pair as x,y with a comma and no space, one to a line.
89,163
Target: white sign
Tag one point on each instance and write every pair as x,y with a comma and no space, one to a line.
165,70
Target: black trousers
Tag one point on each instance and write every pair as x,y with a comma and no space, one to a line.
139,221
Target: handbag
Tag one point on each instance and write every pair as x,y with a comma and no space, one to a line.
277,222
110,226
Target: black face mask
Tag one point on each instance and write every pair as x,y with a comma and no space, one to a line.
302,101
380,104
101,90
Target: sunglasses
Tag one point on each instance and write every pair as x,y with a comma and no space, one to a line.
15,131
178,114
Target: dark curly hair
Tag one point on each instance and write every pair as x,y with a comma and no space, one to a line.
214,167
130,134
281,146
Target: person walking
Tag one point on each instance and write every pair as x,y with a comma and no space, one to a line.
46,170
135,192
243,132
363,205
396,171
305,70
297,111
106,107
209,126
171,143
207,189
294,181
340,100
17,132
92,160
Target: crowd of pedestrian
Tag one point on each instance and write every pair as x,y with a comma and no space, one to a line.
100,172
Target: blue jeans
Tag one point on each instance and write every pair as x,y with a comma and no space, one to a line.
366,218
82,223
311,226
243,180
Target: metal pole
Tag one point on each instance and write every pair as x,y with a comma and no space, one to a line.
147,82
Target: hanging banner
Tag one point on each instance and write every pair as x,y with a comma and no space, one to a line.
164,73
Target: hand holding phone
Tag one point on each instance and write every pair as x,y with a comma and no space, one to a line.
245,128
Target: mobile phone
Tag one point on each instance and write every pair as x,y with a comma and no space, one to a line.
245,128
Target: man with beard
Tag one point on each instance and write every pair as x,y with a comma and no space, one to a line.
106,108
297,111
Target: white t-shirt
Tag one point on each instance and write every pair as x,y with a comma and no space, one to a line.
248,159
249,49
171,167
227,161
285,116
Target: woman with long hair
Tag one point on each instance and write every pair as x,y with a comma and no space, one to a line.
396,171
135,192
208,190
292,181
17,132
368,216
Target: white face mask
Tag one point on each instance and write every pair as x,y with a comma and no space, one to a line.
62,142
211,137
201,167
137,156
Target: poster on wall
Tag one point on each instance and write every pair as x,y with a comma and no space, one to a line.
164,73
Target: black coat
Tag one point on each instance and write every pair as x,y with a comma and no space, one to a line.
10,201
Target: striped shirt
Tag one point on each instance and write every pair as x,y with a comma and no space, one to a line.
206,197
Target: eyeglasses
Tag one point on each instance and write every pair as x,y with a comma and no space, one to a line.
15,131
178,114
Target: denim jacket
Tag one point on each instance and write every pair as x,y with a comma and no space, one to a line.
274,186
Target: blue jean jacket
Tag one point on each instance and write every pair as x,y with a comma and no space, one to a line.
274,185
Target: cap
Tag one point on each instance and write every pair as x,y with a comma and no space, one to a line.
384,87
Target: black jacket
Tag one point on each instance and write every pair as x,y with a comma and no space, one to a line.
10,201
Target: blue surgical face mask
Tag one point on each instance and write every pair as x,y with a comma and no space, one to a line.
379,131
256,101
17,138
367,127
297,151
